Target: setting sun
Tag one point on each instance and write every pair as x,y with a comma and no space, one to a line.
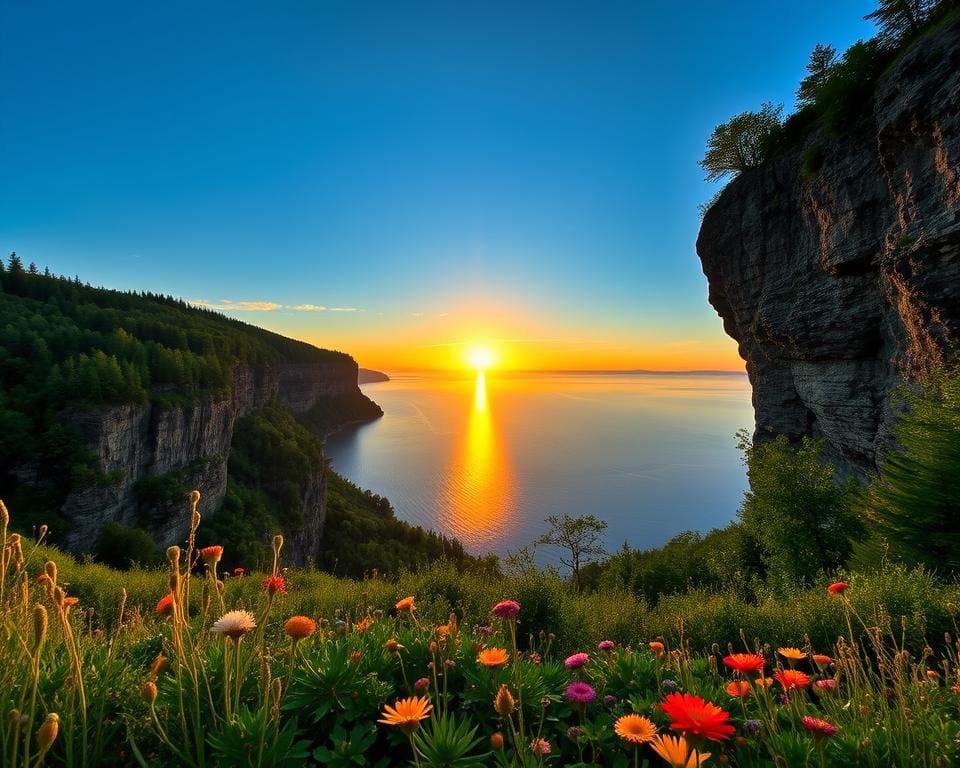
480,358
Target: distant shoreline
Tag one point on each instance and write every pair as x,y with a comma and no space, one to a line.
569,372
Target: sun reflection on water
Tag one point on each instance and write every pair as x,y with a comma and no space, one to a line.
479,509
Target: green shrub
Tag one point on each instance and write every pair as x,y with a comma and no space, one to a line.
120,546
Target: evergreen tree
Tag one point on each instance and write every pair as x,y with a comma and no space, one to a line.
823,60
899,19
914,503
15,264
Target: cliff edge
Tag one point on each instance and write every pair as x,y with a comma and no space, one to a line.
840,285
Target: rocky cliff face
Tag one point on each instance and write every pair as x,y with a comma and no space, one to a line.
843,285
190,444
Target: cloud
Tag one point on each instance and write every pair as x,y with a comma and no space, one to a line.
309,308
416,314
345,309
226,305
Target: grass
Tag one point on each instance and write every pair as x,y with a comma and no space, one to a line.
92,675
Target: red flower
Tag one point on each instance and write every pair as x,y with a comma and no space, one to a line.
838,588
165,605
791,678
274,584
238,571
211,554
696,717
745,662
738,688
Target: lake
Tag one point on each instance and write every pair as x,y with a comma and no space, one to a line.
486,457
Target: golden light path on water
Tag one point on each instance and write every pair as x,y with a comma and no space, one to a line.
481,492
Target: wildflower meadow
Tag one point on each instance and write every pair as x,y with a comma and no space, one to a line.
241,669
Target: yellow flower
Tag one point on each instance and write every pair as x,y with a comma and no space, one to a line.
794,654
407,713
677,753
635,729
493,657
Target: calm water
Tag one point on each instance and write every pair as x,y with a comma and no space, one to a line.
485,458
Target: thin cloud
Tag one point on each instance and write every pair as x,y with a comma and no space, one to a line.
345,309
227,305
309,308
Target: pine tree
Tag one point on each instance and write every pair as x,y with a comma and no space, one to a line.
823,60
15,264
914,503
898,19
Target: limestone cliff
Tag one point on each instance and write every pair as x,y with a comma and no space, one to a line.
191,443
841,284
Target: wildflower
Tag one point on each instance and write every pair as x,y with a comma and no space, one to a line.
576,661
794,654
363,625
610,700
274,584
657,647
838,588
496,741
670,685
574,732
378,613
211,555
506,609
406,605
238,571
763,682
449,664
606,645
535,657
355,657
932,674
493,657
752,726
738,688
676,751
484,631
791,679
635,729
503,702
42,578
393,645
299,627
545,702
421,684
540,747
148,691
822,659
745,662
165,605
692,715
234,624
827,684
159,665
817,727
40,625
580,693
407,713
48,731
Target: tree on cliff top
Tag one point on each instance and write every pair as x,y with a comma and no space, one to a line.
899,19
823,60
743,142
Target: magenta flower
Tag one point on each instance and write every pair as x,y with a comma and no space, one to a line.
506,609
422,684
827,684
576,661
580,693
606,645
817,727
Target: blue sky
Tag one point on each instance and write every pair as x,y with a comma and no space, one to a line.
450,173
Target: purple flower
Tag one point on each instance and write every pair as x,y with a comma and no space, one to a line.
669,684
422,684
610,700
484,631
606,645
751,726
576,661
574,732
826,684
580,693
506,609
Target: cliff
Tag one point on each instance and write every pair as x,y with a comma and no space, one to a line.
842,284
367,376
151,452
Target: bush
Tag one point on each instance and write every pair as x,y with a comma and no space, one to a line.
120,546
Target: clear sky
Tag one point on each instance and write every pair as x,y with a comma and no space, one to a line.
393,179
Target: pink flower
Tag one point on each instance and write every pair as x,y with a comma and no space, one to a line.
576,661
817,727
540,747
506,609
580,693
606,645
827,684
422,684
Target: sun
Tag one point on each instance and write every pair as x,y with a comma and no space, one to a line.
479,357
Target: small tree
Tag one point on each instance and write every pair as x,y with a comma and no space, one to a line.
914,503
898,19
801,517
580,536
743,142
823,60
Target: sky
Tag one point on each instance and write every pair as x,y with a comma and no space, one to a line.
400,181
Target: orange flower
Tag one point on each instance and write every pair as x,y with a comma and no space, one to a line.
635,729
738,689
493,657
822,659
764,682
496,741
745,662
677,753
363,625
211,555
299,627
165,605
274,584
791,679
407,713
406,605
68,601
696,717
657,647
794,654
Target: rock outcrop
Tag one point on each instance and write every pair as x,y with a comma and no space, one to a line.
189,445
841,284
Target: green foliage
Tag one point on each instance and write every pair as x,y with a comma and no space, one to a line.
822,61
811,161
796,511
743,142
914,503
448,741
900,19
578,536
120,546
